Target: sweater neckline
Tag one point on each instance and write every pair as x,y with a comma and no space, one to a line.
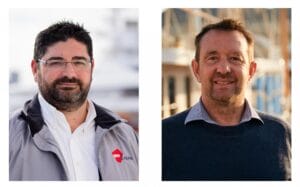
215,129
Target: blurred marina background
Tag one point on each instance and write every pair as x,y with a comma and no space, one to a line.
115,41
270,89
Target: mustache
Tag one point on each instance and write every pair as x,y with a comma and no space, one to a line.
67,80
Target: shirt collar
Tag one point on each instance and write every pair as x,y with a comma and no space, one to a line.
198,112
51,114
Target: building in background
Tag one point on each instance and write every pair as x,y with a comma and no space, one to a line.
115,39
270,89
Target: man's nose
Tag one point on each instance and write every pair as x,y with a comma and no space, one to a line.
69,70
223,67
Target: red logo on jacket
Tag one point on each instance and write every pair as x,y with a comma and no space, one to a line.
118,155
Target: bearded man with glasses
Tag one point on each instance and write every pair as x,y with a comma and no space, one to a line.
61,134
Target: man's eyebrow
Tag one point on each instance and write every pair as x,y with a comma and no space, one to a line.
236,53
79,58
55,58
73,58
211,53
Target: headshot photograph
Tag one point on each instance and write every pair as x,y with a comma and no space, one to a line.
226,94
73,95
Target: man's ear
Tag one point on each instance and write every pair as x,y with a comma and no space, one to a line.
196,69
34,70
252,69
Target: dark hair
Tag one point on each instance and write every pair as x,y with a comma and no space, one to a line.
61,31
224,25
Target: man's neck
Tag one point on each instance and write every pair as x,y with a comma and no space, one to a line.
77,117
228,114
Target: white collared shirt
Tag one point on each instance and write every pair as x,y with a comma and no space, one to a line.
78,148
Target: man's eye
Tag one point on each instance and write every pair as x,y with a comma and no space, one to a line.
235,59
212,59
55,62
79,62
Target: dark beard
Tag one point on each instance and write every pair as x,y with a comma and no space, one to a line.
64,99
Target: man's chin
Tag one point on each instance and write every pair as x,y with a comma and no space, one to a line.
68,103
68,97
224,100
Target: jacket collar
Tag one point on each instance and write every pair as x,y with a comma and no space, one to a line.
32,114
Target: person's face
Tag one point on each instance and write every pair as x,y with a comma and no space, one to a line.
64,86
224,68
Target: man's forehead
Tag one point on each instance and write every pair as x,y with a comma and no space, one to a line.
70,47
222,34
218,39
70,42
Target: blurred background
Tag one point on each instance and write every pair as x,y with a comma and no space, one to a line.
115,39
270,89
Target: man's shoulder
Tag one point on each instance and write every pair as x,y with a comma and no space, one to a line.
106,113
15,121
271,121
107,119
17,129
176,119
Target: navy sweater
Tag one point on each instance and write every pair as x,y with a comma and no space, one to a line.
204,151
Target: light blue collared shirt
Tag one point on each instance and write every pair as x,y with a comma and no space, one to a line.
198,112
